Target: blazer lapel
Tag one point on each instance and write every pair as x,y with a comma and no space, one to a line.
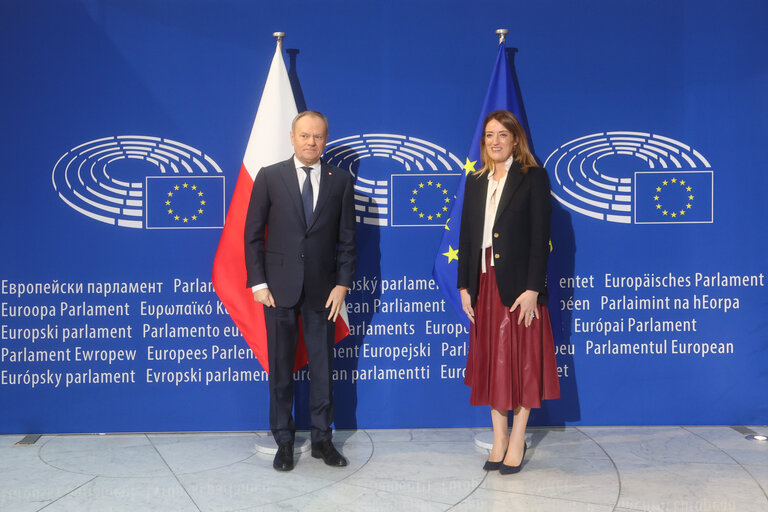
291,182
514,178
479,192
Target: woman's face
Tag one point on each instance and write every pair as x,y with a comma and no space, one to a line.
498,141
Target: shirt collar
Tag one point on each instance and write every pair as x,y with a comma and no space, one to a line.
507,165
299,165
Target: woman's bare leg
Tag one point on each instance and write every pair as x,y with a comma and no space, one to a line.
500,434
517,439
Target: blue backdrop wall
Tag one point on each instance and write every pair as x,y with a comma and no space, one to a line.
651,118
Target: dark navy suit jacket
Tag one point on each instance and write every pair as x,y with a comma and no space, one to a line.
286,253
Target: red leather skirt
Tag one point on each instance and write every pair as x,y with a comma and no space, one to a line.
509,365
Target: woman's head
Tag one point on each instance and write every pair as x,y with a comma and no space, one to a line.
503,135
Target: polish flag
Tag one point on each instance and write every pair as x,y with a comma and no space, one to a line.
269,143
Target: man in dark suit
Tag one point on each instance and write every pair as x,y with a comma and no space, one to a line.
300,259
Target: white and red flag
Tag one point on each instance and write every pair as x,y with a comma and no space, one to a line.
269,143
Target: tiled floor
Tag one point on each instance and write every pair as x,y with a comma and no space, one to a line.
676,469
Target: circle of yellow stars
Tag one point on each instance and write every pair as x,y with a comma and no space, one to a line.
441,211
169,204
669,183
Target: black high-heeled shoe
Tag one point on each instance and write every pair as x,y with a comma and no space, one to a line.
509,470
494,466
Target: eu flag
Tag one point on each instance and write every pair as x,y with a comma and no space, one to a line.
184,202
501,95
673,197
422,199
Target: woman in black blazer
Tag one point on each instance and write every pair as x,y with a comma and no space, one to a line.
503,252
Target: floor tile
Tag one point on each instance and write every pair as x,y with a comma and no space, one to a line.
26,482
494,500
734,444
759,473
558,442
391,436
436,471
255,483
189,454
689,486
97,455
656,444
561,477
343,497
161,494
671,468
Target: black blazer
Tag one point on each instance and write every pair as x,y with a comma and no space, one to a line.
520,235
282,251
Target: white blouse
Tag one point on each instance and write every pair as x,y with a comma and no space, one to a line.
492,198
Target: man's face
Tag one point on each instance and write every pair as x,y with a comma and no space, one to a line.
308,139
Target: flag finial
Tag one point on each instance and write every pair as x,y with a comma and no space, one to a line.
502,34
279,36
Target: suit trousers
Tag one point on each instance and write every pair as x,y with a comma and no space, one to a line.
282,339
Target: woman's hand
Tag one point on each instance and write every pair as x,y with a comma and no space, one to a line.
527,302
466,304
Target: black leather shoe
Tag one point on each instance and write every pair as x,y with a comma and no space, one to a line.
284,457
491,466
330,455
509,470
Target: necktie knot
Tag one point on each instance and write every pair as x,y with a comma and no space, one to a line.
307,170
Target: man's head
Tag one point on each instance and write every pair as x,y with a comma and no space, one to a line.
309,134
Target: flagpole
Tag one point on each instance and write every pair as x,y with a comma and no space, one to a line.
502,32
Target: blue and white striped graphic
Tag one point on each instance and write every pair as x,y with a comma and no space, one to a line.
373,197
83,179
583,184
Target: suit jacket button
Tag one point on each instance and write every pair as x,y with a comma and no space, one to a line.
497,256
495,235
301,256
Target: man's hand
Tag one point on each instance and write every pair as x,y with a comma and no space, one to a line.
265,297
335,301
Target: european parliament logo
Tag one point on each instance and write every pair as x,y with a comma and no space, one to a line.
141,182
633,178
400,181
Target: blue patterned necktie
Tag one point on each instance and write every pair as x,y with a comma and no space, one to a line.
306,195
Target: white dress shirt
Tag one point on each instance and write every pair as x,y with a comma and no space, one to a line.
492,198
